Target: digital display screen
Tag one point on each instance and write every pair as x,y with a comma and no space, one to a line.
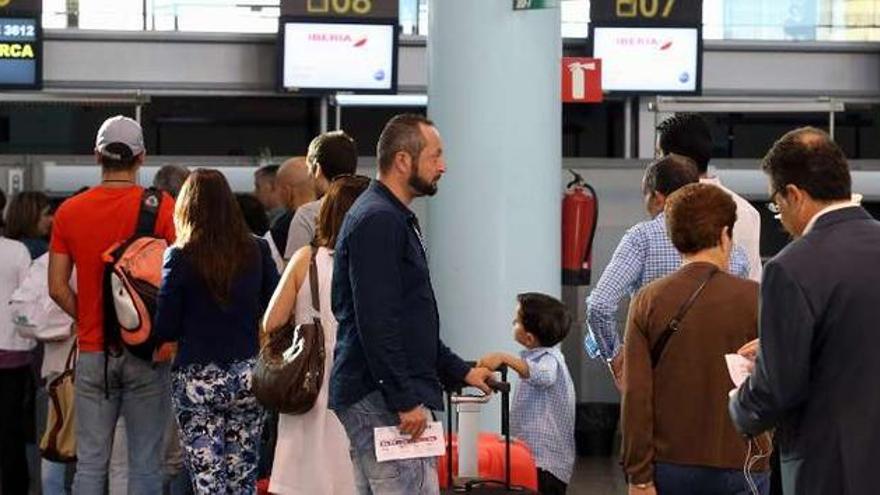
20,53
333,56
660,60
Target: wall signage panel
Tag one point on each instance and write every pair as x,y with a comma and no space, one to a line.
359,9
328,57
21,7
647,12
21,53
649,60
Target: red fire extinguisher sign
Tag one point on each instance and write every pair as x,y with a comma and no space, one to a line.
581,80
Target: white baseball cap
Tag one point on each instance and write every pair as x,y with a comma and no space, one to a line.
120,138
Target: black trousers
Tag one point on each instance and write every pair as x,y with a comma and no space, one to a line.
775,471
15,385
549,484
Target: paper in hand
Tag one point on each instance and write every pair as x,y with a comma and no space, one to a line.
392,445
739,368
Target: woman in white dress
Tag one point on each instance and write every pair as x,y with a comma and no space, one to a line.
311,454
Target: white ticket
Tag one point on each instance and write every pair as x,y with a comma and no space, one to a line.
739,368
391,445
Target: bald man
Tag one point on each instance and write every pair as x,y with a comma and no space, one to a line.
295,188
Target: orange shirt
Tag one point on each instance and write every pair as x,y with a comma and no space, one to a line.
85,226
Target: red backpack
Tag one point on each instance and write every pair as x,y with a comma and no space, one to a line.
132,274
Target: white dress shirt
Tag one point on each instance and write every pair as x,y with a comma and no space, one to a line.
828,209
746,230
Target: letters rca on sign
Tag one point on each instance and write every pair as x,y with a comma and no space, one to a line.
16,50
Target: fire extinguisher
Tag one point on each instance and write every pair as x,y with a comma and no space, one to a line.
580,214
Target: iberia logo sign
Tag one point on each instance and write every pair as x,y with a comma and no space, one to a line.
644,41
336,38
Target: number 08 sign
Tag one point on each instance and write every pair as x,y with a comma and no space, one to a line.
348,9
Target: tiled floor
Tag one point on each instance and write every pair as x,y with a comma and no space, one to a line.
597,476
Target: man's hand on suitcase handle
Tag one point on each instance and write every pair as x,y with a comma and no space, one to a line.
414,421
480,378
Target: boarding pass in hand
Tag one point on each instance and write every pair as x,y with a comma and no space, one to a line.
391,445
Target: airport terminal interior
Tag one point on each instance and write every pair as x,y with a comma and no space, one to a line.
535,101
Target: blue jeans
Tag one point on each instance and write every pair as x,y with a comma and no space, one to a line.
677,479
139,391
407,477
53,474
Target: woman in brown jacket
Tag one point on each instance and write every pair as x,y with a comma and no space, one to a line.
677,435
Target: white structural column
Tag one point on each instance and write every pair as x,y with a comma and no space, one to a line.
494,225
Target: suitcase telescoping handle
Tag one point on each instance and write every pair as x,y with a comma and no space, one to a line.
503,387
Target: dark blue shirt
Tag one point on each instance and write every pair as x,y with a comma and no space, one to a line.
389,329
205,331
36,246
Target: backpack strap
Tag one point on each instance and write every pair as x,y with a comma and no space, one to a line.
675,322
149,212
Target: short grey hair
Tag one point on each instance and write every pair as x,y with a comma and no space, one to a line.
170,178
401,133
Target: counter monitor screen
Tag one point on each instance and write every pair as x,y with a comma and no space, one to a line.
20,63
649,60
335,56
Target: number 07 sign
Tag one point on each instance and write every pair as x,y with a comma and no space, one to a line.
581,80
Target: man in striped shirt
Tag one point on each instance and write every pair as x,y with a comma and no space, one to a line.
644,254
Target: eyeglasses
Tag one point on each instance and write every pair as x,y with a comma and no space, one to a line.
773,206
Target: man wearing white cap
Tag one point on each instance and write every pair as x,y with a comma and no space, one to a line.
110,382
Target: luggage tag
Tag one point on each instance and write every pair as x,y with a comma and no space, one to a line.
391,445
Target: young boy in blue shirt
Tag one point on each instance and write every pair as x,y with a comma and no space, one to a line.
543,408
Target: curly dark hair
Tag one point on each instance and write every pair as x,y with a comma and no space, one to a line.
687,134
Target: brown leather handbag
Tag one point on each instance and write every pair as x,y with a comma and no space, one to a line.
58,443
290,367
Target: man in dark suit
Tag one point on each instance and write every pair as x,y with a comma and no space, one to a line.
815,376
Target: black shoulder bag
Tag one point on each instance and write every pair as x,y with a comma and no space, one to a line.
673,325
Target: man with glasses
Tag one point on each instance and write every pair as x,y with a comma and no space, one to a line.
815,372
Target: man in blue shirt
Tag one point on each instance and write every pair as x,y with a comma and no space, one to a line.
644,254
389,359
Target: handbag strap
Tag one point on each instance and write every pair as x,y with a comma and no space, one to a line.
675,322
313,281
71,356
